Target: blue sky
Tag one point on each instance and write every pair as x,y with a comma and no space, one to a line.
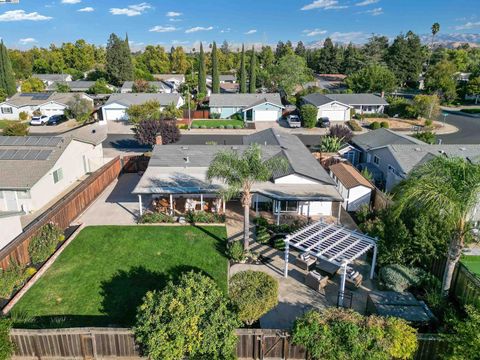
185,22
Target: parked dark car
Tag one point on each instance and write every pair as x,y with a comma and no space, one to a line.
324,122
56,119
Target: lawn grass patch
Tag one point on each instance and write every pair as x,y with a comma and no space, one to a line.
5,123
218,123
471,111
102,276
472,262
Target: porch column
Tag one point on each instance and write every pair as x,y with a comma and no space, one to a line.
279,206
201,202
287,247
256,205
223,204
308,212
339,212
171,204
342,283
374,262
140,206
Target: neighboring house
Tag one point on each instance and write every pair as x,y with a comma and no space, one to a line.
76,86
174,79
11,225
223,79
327,107
116,106
35,170
49,79
47,103
159,86
177,173
354,188
250,107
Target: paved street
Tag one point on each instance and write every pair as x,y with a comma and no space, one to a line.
468,129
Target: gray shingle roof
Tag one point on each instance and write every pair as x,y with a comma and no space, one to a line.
243,100
52,77
79,85
160,85
141,98
318,99
382,137
37,99
227,77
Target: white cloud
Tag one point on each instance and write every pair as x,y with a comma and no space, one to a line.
27,41
198,28
468,26
250,32
173,14
227,30
21,15
178,42
375,12
324,4
174,19
131,10
86,9
346,37
71,1
314,32
163,29
367,2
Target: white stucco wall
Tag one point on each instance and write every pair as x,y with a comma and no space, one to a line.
294,179
357,196
11,228
323,208
325,111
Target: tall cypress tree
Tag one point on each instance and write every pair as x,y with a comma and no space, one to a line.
202,75
215,77
252,86
243,72
7,77
119,60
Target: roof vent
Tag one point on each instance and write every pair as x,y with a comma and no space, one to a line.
463,149
234,147
184,147
187,159
418,149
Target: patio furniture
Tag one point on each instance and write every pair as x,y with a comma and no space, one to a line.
305,261
353,280
316,281
327,266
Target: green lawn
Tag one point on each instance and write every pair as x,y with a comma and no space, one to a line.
5,123
471,111
102,276
217,123
472,262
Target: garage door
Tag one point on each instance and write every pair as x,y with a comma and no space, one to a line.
114,114
266,115
334,115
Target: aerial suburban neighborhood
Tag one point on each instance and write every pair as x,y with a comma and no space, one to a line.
240,180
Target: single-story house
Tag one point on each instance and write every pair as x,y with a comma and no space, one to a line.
250,107
49,79
336,107
176,175
159,86
355,189
37,169
76,86
223,79
47,103
117,104
175,79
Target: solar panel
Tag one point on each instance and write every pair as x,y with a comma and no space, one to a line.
2,139
7,154
11,140
41,96
43,154
20,154
33,140
43,141
31,155
54,141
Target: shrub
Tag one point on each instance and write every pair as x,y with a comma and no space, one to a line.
23,116
194,126
204,217
214,115
6,345
341,132
345,334
155,218
262,235
235,127
44,243
354,125
203,127
30,271
464,343
190,319
235,251
428,122
146,131
261,221
374,116
426,136
331,144
237,116
16,129
309,115
254,293
10,278
399,278
221,127
375,125
384,124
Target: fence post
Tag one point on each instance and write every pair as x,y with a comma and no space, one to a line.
35,347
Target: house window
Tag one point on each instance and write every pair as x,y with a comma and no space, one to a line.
57,175
376,160
24,194
7,110
288,206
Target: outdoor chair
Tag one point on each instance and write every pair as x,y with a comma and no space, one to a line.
305,261
316,281
353,280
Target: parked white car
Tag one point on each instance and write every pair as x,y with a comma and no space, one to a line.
39,120
294,121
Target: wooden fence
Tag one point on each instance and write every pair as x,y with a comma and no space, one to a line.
100,343
63,212
196,114
135,163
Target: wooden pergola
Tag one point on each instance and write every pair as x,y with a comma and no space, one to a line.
333,243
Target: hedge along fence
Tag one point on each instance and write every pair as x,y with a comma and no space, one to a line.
100,343
62,213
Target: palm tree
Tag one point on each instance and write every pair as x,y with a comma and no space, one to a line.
450,188
240,171
435,30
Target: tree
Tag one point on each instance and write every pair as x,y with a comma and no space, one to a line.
100,87
147,131
3,95
464,343
7,76
309,115
426,136
449,188
426,106
119,61
353,60
179,62
188,320
252,82
62,88
215,76
79,108
341,132
239,172
32,85
435,30
373,78
375,50
405,58
202,75
300,49
289,72
243,72
253,293
16,129
473,88
156,60
149,110
327,63
440,80
6,345
142,86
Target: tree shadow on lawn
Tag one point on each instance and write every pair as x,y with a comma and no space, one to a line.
220,243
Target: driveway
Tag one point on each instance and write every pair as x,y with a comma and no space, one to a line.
116,205
468,128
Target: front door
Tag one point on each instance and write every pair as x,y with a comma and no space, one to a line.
10,200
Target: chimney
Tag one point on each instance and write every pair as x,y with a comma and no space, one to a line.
158,140
383,94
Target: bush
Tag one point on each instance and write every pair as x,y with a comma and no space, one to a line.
10,278
203,127
345,334
375,116
384,125
190,319
221,127
330,144
464,343
23,116
6,345
399,278
29,272
254,293
262,236
155,218
204,217
214,115
341,132
194,126
44,243
428,122
235,251
309,115
426,136
354,125
235,127
401,107
146,131
16,129
375,125
471,111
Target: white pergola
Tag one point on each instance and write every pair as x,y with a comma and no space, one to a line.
333,243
